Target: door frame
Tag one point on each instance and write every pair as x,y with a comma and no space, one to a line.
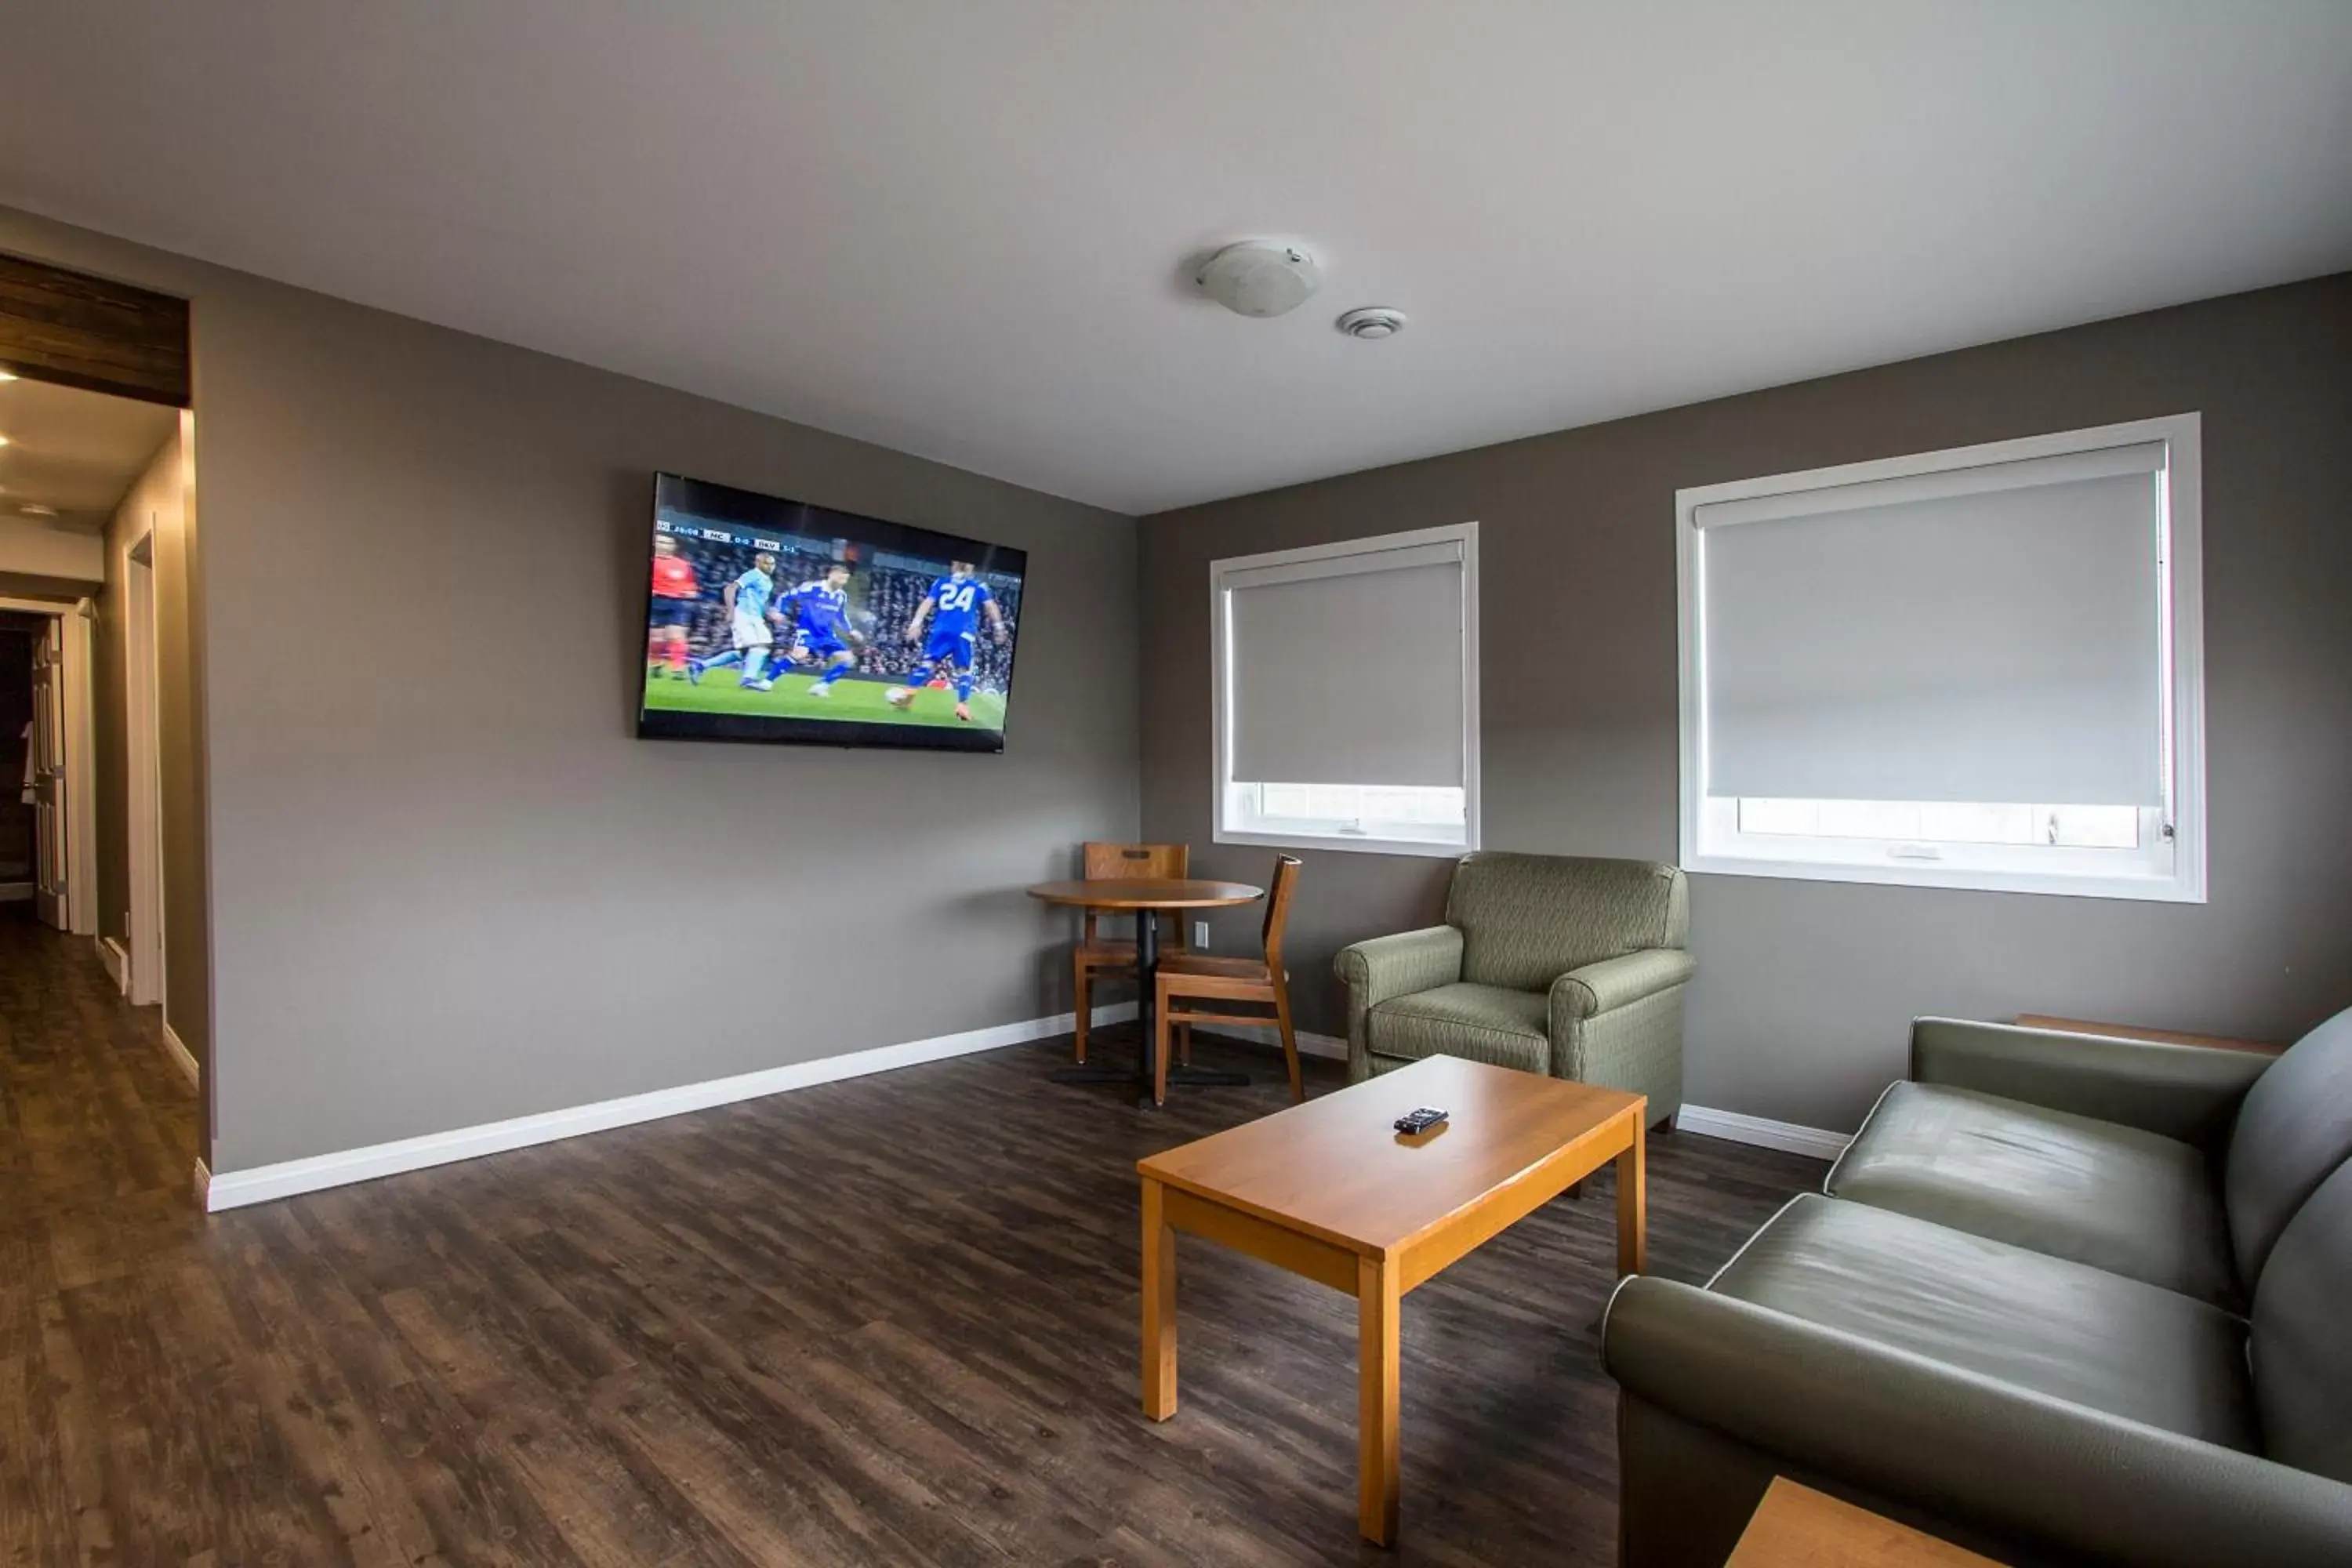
143,981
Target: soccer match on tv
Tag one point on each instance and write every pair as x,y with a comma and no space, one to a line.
876,624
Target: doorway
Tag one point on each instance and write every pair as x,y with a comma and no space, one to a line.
48,807
20,851
96,536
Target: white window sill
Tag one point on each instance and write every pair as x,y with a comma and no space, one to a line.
2148,888
1354,843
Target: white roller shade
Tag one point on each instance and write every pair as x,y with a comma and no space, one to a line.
1348,672
1987,635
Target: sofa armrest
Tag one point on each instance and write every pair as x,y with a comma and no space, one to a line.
1613,982
1389,966
2017,1465
2190,1092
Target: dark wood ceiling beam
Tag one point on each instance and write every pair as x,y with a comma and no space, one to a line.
101,336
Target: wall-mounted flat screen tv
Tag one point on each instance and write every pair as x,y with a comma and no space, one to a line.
768,619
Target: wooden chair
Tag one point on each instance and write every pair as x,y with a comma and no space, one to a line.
1102,957
1210,978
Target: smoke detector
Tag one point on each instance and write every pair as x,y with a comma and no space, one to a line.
1372,322
1259,278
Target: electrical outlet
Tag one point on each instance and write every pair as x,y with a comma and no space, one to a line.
1201,936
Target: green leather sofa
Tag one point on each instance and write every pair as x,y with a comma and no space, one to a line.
2065,1299
1573,968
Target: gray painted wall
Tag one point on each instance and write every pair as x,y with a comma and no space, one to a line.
110,692
184,750
447,884
1804,988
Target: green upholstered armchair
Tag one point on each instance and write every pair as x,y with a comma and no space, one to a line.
1558,966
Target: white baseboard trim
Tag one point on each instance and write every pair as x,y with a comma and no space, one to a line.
1309,1045
234,1189
117,958
1787,1136
182,1058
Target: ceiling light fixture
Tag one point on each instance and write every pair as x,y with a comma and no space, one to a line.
33,509
7,375
1372,323
4,440
1259,278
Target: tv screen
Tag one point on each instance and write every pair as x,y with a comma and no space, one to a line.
775,620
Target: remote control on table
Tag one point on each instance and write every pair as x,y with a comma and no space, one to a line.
1420,1120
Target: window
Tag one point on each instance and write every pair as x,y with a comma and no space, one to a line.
1973,668
1346,694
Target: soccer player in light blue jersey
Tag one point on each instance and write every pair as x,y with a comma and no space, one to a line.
954,607
822,633
747,599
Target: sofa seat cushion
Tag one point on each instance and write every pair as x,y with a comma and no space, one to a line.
2116,1197
1484,1023
2060,1328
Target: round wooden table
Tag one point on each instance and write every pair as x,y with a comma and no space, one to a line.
1144,898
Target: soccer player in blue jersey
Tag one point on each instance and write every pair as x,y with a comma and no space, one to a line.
747,599
822,632
954,606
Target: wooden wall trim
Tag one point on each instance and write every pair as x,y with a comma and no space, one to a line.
101,336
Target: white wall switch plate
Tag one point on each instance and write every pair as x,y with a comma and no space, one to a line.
1201,936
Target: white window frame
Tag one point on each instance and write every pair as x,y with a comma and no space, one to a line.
1340,559
1710,838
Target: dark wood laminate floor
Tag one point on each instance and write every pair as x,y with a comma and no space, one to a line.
888,1321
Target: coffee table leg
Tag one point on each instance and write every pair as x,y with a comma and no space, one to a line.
1378,1452
1159,1306
1633,1203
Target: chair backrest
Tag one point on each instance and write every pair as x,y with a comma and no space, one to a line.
1526,920
1277,908
1103,862
2295,1128
2295,1342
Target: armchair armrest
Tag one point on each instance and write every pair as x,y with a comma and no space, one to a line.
2189,1092
2018,1465
1401,965
1389,966
1598,987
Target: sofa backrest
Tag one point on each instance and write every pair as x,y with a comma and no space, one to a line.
1526,920
2298,1343
2294,1130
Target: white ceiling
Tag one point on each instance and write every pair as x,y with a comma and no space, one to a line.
76,453
959,228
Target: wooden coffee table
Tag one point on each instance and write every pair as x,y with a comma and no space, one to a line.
1797,1526
1329,1189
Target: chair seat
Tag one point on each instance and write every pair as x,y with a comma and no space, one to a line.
2116,1197
1492,1023
2059,1327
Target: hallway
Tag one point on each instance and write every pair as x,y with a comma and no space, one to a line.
98,1130
97,1220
